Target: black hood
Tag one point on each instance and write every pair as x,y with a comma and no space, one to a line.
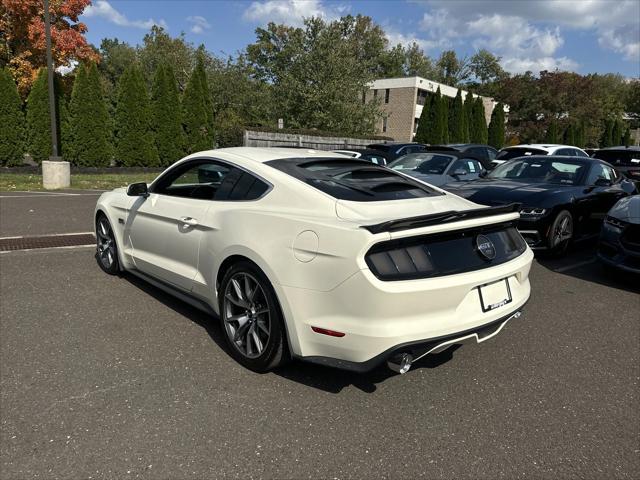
489,191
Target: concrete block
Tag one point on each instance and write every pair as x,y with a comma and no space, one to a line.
56,174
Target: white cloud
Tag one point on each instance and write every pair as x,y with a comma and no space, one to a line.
198,24
103,9
291,12
405,39
616,23
66,69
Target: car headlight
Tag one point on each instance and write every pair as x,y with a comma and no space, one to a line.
614,222
532,211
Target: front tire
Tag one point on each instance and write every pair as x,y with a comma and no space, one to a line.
106,248
251,319
560,233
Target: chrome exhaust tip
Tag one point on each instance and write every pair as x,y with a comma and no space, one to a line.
400,363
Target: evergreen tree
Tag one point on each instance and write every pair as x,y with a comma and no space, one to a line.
616,133
580,135
135,145
467,116
11,121
626,139
166,116
552,133
197,110
496,127
89,124
445,118
570,135
607,135
38,117
456,120
423,134
478,126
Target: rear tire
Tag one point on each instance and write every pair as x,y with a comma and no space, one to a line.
251,319
560,233
106,247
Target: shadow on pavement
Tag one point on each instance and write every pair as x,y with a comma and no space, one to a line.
581,262
327,379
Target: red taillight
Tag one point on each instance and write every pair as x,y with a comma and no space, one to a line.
324,331
635,173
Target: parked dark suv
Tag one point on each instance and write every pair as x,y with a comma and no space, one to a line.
393,150
484,153
625,159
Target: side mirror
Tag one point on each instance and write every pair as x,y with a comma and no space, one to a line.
483,173
138,190
603,182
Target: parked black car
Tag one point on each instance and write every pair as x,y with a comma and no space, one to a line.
439,167
619,244
625,159
484,153
562,198
394,150
374,156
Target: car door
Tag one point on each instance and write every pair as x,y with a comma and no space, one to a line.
605,190
163,230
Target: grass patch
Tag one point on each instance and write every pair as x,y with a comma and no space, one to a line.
92,181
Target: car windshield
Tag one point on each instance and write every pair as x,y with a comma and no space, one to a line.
426,163
509,153
540,169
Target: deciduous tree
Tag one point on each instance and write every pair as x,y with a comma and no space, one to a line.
22,48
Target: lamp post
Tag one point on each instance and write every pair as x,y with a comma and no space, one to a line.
55,172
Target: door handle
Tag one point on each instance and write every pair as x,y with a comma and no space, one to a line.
192,222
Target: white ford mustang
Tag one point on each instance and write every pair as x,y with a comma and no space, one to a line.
331,260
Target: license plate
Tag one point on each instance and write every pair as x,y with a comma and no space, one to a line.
494,295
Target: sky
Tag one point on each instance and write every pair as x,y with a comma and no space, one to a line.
585,36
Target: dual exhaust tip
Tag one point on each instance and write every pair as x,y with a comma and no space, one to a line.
400,363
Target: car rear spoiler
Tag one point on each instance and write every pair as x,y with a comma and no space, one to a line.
439,218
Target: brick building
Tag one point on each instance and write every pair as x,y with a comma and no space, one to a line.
402,100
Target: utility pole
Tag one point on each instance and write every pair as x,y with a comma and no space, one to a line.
55,172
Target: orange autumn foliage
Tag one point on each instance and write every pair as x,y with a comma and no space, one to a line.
22,43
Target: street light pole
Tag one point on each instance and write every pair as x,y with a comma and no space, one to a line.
55,172
50,73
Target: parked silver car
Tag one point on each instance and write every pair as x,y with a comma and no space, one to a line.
439,168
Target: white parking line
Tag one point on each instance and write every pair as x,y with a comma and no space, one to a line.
575,265
52,194
48,235
46,249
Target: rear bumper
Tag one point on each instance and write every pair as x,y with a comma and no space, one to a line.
421,348
378,317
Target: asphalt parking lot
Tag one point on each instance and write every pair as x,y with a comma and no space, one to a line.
104,377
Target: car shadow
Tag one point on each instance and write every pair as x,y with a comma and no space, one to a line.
327,379
582,263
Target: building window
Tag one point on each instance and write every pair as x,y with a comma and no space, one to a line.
384,124
386,96
375,94
421,97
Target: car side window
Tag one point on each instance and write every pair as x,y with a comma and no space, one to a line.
579,153
567,152
210,180
463,164
491,153
600,172
479,152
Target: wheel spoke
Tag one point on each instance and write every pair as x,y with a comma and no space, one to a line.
256,339
261,326
241,319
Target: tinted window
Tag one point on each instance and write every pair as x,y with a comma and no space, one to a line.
579,153
479,152
426,163
509,153
568,152
540,169
491,153
468,165
207,180
354,180
601,172
625,158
